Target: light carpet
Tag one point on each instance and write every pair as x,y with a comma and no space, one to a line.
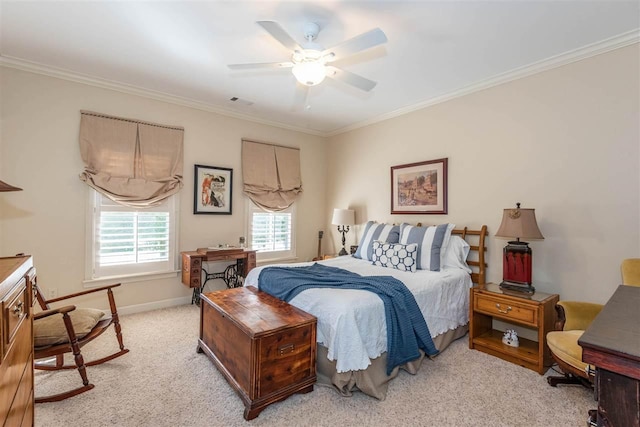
164,382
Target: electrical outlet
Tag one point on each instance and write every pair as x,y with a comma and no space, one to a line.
52,293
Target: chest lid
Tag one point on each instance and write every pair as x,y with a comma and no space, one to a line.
257,312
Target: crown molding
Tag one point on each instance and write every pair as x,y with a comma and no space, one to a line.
34,67
552,62
556,61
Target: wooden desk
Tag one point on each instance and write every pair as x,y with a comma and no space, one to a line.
192,268
612,344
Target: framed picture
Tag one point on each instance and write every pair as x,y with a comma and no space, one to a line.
419,188
212,190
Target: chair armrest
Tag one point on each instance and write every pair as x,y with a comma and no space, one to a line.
77,294
47,313
577,315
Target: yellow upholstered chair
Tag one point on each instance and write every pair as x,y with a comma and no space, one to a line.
573,319
630,269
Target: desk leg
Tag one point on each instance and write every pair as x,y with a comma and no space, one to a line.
229,276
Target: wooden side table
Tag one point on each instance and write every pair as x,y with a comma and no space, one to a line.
535,312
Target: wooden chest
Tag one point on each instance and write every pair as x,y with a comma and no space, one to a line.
265,348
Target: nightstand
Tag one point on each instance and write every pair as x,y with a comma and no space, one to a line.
535,312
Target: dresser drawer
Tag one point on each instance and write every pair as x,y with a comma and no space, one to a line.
13,366
285,359
507,310
15,308
21,402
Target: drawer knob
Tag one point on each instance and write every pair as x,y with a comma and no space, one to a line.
18,309
503,311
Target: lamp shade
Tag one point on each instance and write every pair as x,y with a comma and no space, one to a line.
6,187
343,217
520,223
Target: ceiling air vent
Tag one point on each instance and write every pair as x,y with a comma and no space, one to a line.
237,100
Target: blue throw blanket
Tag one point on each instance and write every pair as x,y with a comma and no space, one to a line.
407,330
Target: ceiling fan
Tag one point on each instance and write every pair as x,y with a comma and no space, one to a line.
310,63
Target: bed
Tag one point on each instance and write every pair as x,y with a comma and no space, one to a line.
351,331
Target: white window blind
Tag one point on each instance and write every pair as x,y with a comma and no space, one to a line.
132,237
127,241
271,234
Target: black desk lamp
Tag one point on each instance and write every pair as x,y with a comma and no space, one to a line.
343,218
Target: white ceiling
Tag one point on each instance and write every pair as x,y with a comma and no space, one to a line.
179,50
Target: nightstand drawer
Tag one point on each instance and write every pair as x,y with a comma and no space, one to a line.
505,309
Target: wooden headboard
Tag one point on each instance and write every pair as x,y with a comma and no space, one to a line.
475,260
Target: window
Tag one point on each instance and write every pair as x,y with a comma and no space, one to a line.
127,241
271,234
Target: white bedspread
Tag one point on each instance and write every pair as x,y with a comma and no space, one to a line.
351,323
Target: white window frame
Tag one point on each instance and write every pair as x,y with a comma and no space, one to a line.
95,275
270,256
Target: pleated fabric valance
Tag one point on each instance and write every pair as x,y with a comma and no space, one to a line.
271,174
134,163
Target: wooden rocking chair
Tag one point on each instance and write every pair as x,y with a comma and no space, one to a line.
64,330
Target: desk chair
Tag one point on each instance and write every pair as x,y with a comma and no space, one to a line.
630,270
573,319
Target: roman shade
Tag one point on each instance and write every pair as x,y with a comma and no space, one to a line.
271,174
134,163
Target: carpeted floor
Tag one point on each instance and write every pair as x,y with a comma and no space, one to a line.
164,382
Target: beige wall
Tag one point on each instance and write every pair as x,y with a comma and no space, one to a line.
40,123
565,142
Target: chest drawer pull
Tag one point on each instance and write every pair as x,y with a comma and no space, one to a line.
286,349
503,311
18,309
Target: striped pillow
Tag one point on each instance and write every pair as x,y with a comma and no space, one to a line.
432,242
372,232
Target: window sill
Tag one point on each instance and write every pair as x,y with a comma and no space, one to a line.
129,278
285,260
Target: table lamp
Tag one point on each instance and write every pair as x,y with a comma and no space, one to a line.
343,218
516,256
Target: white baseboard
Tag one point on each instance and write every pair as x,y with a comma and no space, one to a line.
139,308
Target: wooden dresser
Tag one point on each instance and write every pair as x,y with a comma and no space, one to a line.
265,348
16,369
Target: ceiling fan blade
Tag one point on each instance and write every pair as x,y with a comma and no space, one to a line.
300,97
278,33
350,78
357,44
259,65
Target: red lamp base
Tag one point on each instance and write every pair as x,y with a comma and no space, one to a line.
516,267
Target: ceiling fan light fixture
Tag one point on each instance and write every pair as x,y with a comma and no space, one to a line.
309,73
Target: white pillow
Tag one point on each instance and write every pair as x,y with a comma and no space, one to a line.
431,242
455,256
395,255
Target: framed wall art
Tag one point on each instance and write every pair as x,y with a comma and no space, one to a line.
212,190
419,188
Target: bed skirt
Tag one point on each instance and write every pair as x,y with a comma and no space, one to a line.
374,380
